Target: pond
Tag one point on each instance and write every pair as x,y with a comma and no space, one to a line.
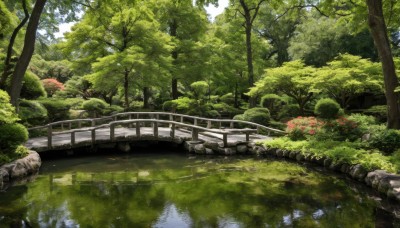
174,190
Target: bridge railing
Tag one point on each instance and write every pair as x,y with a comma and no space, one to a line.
155,118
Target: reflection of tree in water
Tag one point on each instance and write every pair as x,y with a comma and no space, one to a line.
209,194
14,216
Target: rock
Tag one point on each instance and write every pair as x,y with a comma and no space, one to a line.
335,166
229,151
209,151
19,170
328,162
358,172
211,145
241,148
199,149
308,157
319,160
372,178
4,175
293,154
299,157
124,147
286,153
279,153
21,167
189,145
261,150
345,168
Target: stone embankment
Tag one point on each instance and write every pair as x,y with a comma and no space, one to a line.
20,168
380,180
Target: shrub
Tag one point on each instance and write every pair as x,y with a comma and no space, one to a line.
301,127
385,140
363,121
32,88
257,115
21,151
273,102
378,111
228,99
52,85
226,109
7,111
288,111
11,136
184,104
57,109
94,106
327,108
342,129
169,106
32,112
135,105
113,109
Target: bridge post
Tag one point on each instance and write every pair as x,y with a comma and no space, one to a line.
49,136
225,139
157,116
62,126
69,126
172,134
171,118
195,134
232,125
112,132
247,136
209,124
72,138
181,119
93,123
137,129
93,137
195,122
155,129
79,124
220,125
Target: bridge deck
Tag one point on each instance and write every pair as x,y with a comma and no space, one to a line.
63,140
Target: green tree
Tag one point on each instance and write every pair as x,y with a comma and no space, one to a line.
293,79
347,77
121,41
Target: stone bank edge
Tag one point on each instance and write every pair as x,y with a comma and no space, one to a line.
380,180
20,168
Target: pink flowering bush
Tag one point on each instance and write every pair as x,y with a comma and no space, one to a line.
301,127
340,129
52,85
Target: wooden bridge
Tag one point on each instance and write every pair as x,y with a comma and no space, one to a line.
123,128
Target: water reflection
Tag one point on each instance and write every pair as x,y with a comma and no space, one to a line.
174,191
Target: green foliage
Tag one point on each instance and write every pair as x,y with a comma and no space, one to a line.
94,106
273,102
7,111
340,129
200,89
11,136
301,127
378,111
170,106
225,109
135,105
349,152
21,151
257,115
327,108
228,98
293,79
184,104
113,109
32,87
52,85
385,140
57,109
288,111
363,121
32,112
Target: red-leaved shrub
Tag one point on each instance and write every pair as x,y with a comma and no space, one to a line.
300,127
51,85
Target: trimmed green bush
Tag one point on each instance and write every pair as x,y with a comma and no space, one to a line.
257,115
385,140
32,112
169,106
32,87
228,99
94,106
363,121
378,111
327,108
11,136
57,109
7,111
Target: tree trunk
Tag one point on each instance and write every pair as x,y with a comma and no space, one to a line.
146,96
236,99
126,88
173,28
27,52
377,25
7,62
